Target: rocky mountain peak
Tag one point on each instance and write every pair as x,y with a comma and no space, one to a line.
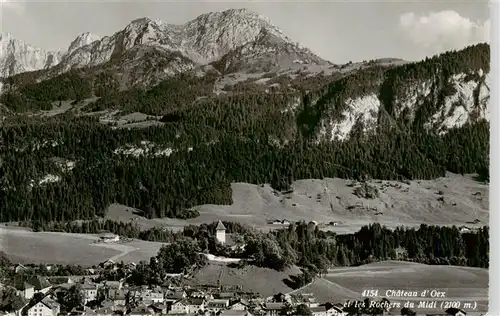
82,40
206,39
17,56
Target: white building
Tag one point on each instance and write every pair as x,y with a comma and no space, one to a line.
89,292
179,307
45,307
220,233
108,237
25,290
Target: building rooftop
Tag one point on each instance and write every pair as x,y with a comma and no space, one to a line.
220,226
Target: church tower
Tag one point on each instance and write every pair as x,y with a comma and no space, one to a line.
220,233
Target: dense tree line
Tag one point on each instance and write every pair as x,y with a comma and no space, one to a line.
306,245
427,244
167,186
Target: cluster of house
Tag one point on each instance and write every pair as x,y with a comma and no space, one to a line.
121,299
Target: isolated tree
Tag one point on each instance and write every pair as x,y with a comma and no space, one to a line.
71,298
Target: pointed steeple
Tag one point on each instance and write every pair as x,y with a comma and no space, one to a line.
220,226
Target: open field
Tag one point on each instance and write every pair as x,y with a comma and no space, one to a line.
340,284
250,278
22,245
462,284
451,200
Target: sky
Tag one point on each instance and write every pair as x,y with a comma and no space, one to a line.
339,31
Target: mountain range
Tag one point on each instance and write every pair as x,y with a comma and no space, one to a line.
232,36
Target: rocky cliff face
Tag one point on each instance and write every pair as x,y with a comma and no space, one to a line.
17,57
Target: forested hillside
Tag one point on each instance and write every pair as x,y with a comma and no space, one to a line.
70,166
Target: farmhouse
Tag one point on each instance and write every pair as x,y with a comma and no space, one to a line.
239,306
217,305
179,307
318,311
108,237
273,309
44,307
464,229
148,296
89,292
308,299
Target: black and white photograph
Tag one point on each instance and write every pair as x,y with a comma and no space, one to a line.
259,158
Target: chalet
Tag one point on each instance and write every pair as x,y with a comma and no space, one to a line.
318,311
464,229
89,292
309,300
108,237
240,305
274,309
118,297
455,312
227,295
179,307
217,305
43,307
195,305
150,296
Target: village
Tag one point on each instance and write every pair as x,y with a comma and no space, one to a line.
118,298
84,296
105,290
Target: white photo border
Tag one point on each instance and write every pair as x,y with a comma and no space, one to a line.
494,250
